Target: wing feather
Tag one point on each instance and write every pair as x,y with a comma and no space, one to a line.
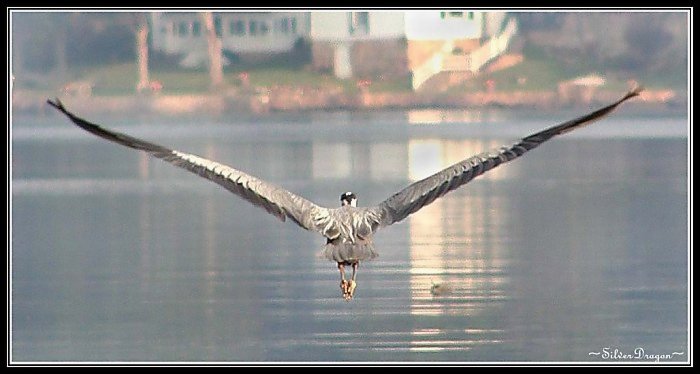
273,199
421,193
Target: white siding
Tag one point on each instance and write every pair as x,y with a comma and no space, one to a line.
262,31
257,32
429,25
173,32
341,61
494,22
329,26
335,26
389,25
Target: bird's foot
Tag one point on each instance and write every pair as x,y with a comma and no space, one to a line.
344,287
349,291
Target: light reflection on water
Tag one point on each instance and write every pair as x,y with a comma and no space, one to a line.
118,257
441,116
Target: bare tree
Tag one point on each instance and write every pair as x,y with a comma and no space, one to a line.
216,70
142,52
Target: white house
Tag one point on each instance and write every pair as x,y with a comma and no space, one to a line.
353,26
358,44
243,33
441,25
454,41
396,43
352,43
435,25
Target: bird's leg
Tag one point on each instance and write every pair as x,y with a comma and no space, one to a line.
343,282
352,284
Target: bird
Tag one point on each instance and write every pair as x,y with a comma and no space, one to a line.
439,289
348,229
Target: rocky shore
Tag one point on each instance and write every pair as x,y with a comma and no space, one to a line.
281,99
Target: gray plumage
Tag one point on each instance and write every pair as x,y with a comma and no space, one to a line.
348,229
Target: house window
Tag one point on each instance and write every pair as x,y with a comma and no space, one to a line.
182,29
217,26
237,27
469,15
253,27
196,28
359,23
282,26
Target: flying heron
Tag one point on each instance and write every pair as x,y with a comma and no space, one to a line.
348,229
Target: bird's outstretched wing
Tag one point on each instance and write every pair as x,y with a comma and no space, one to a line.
275,200
421,193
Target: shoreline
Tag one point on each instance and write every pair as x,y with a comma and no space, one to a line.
287,99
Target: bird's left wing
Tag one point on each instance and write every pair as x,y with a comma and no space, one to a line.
421,193
275,200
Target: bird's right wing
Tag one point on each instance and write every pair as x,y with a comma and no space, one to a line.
275,200
421,193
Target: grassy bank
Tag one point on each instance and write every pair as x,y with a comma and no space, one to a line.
535,74
121,79
538,73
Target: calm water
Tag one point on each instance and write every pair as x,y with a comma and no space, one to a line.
578,247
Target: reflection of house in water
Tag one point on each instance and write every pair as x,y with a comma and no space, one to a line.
436,116
374,161
455,240
428,156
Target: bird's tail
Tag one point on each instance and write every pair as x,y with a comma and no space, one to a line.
349,252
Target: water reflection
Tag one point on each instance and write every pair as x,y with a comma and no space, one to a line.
456,242
348,160
331,160
117,256
428,156
440,116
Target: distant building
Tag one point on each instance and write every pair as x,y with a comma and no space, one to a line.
350,44
427,32
245,34
456,43
359,43
422,43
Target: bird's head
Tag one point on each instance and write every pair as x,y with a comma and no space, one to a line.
348,198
